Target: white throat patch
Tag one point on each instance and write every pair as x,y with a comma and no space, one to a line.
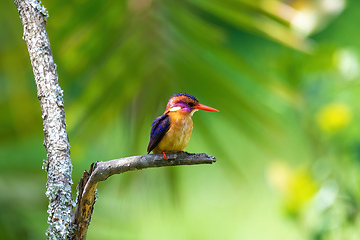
193,111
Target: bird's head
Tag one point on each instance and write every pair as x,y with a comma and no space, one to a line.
186,103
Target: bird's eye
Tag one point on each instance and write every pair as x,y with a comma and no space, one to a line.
190,104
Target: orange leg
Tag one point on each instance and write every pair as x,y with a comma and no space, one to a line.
164,154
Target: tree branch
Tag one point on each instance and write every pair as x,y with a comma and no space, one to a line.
100,171
58,165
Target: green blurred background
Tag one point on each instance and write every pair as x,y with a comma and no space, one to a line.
284,74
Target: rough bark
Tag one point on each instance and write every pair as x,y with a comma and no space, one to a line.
58,165
100,171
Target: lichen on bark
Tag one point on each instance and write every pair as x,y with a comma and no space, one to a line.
58,165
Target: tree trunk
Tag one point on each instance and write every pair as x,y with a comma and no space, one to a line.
58,165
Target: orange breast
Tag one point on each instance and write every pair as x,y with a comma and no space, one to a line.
179,133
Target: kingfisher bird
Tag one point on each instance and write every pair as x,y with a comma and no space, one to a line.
171,131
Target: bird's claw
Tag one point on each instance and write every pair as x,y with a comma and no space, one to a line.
164,154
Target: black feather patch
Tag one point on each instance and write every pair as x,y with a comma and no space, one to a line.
159,128
186,95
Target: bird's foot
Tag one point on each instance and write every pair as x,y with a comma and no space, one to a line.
164,154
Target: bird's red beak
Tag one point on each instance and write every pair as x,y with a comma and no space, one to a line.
205,108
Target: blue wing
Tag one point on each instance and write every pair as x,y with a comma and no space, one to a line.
159,128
